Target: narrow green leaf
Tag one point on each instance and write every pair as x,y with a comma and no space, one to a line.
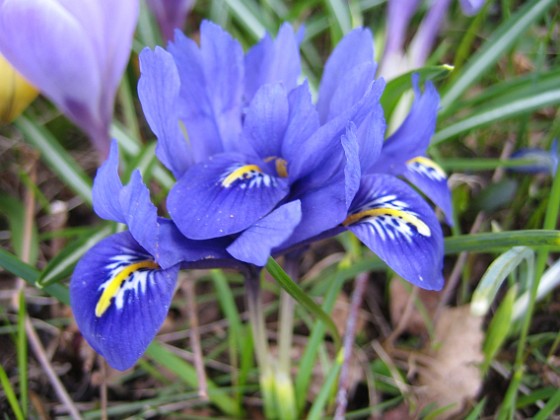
247,18
496,274
502,111
340,20
499,328
398,86
14,265
299,295
22,354
500,241
14,211
10,394
187,373
62,265
502,40
58,159
316,411
550,408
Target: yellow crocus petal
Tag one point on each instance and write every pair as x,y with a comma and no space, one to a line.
15,92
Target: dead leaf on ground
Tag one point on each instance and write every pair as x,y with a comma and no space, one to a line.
453,377
400,298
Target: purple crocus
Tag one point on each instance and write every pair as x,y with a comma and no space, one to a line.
74,52
399,14
122,287
170,15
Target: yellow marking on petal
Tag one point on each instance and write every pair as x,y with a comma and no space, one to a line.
113,287
422,227
239,173
429,164
281,165
282,168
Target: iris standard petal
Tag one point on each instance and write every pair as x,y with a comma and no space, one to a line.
273,61
107,187
223,195
431,179
393,221
120,297
413,136
355,49
266,120
255,244
158,90
211,88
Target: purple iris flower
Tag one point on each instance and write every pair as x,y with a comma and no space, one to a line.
261,164
74,52
122,287
256,161
170,14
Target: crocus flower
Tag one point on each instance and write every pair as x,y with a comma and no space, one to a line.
15,92
399,14
170,14
122,287
74,52
257,146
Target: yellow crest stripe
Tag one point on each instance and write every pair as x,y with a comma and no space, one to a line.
429,164
422,227
113,287
239,173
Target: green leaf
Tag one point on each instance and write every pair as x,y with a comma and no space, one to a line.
495,275
500,241
550,407
499,328
299,295
14,211
187,373
22,354
498,44
247,18
524,105
397,87
14,265
316,411
10,394
58,159
62,265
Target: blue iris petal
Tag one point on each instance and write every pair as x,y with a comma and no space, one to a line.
158,90
397,225
255,244
120,298
223,196
429,178
273,61
413,136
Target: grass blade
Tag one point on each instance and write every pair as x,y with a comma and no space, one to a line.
299,295
499,241
58,159
502,40
10,394
22,354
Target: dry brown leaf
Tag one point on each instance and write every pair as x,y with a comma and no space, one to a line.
453,376
400,298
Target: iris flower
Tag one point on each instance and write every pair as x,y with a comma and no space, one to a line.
259,161
74,52
542,161
247,145
122,287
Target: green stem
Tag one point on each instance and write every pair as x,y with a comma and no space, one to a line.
258,328
286,327
550,222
